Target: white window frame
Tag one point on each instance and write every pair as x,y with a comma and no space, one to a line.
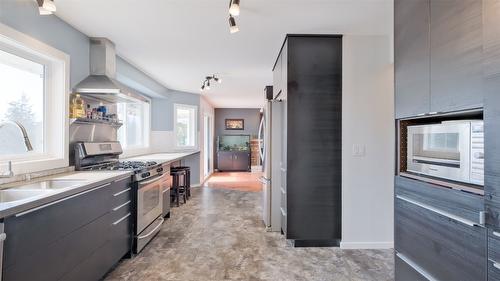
57,90
129,151
196,137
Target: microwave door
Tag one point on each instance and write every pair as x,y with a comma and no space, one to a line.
441,150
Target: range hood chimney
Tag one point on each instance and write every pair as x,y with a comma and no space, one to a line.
101,84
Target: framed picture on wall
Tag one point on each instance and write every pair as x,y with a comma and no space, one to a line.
235,124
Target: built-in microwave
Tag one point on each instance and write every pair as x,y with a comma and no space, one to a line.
452,150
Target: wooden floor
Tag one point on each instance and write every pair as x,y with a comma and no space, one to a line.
242,181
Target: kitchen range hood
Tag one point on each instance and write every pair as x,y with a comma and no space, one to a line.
101,84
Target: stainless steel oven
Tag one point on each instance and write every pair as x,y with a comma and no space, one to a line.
452,150
149,209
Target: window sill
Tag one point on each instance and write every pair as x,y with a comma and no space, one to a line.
25,166
131,152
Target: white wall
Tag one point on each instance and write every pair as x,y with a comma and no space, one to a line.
368,122
206,109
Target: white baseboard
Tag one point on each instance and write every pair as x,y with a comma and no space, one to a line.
366,245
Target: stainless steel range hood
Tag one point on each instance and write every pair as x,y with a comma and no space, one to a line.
101,84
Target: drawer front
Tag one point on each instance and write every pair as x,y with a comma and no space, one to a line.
121,184
455,202
120,211
119,198
53,261
445,248
494,245
493,271
31,231
404,272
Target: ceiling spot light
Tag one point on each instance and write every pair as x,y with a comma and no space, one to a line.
233,28
46,7
206,83
234,8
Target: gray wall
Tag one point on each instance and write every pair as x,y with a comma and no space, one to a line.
23,16
163,109
250,115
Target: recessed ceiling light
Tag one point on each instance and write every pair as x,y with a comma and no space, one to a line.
233,28
234,8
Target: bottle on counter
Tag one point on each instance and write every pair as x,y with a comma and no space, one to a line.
76,107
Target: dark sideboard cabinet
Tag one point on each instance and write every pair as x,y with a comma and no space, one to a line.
308,80
447,60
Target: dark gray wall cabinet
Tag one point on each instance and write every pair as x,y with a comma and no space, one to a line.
438,56
411,57
79,238
308,78
456,55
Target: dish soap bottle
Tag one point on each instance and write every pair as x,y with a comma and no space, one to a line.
76,107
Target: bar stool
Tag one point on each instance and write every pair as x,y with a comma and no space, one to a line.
178,190
186,180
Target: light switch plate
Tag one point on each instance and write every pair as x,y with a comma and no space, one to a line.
358,150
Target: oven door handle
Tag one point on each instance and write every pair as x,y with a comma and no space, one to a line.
152,231
143,183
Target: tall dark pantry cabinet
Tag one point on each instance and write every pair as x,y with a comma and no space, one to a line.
447,66
308,80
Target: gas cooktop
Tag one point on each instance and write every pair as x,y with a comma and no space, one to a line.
122,166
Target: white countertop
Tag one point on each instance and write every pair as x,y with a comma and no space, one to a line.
83,181
162,158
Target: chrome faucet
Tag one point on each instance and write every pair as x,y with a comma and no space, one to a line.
27,143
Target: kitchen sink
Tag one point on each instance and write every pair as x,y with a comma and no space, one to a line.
50,184
11,195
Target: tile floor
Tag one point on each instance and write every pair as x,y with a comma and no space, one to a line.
218,235
243,181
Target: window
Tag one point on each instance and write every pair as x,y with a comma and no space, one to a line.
34,86
23,95
185,126
134,134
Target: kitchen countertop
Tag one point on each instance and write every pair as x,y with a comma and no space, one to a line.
162,158
88,181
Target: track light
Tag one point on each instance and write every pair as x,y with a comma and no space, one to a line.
206,82
46,7
233,28
234,8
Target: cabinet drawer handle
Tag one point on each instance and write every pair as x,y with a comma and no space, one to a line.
416,267
121,206
122,219
61,200
497,234
121,192
438,211
125,178
496,265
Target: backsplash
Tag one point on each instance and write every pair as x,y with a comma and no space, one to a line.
23,177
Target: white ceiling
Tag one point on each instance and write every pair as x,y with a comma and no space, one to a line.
179,42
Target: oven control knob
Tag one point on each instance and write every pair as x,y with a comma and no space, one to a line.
159,170
145,175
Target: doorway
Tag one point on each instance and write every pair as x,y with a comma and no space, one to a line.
207,146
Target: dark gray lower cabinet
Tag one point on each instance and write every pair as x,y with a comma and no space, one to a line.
405,272
445,248
53,241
